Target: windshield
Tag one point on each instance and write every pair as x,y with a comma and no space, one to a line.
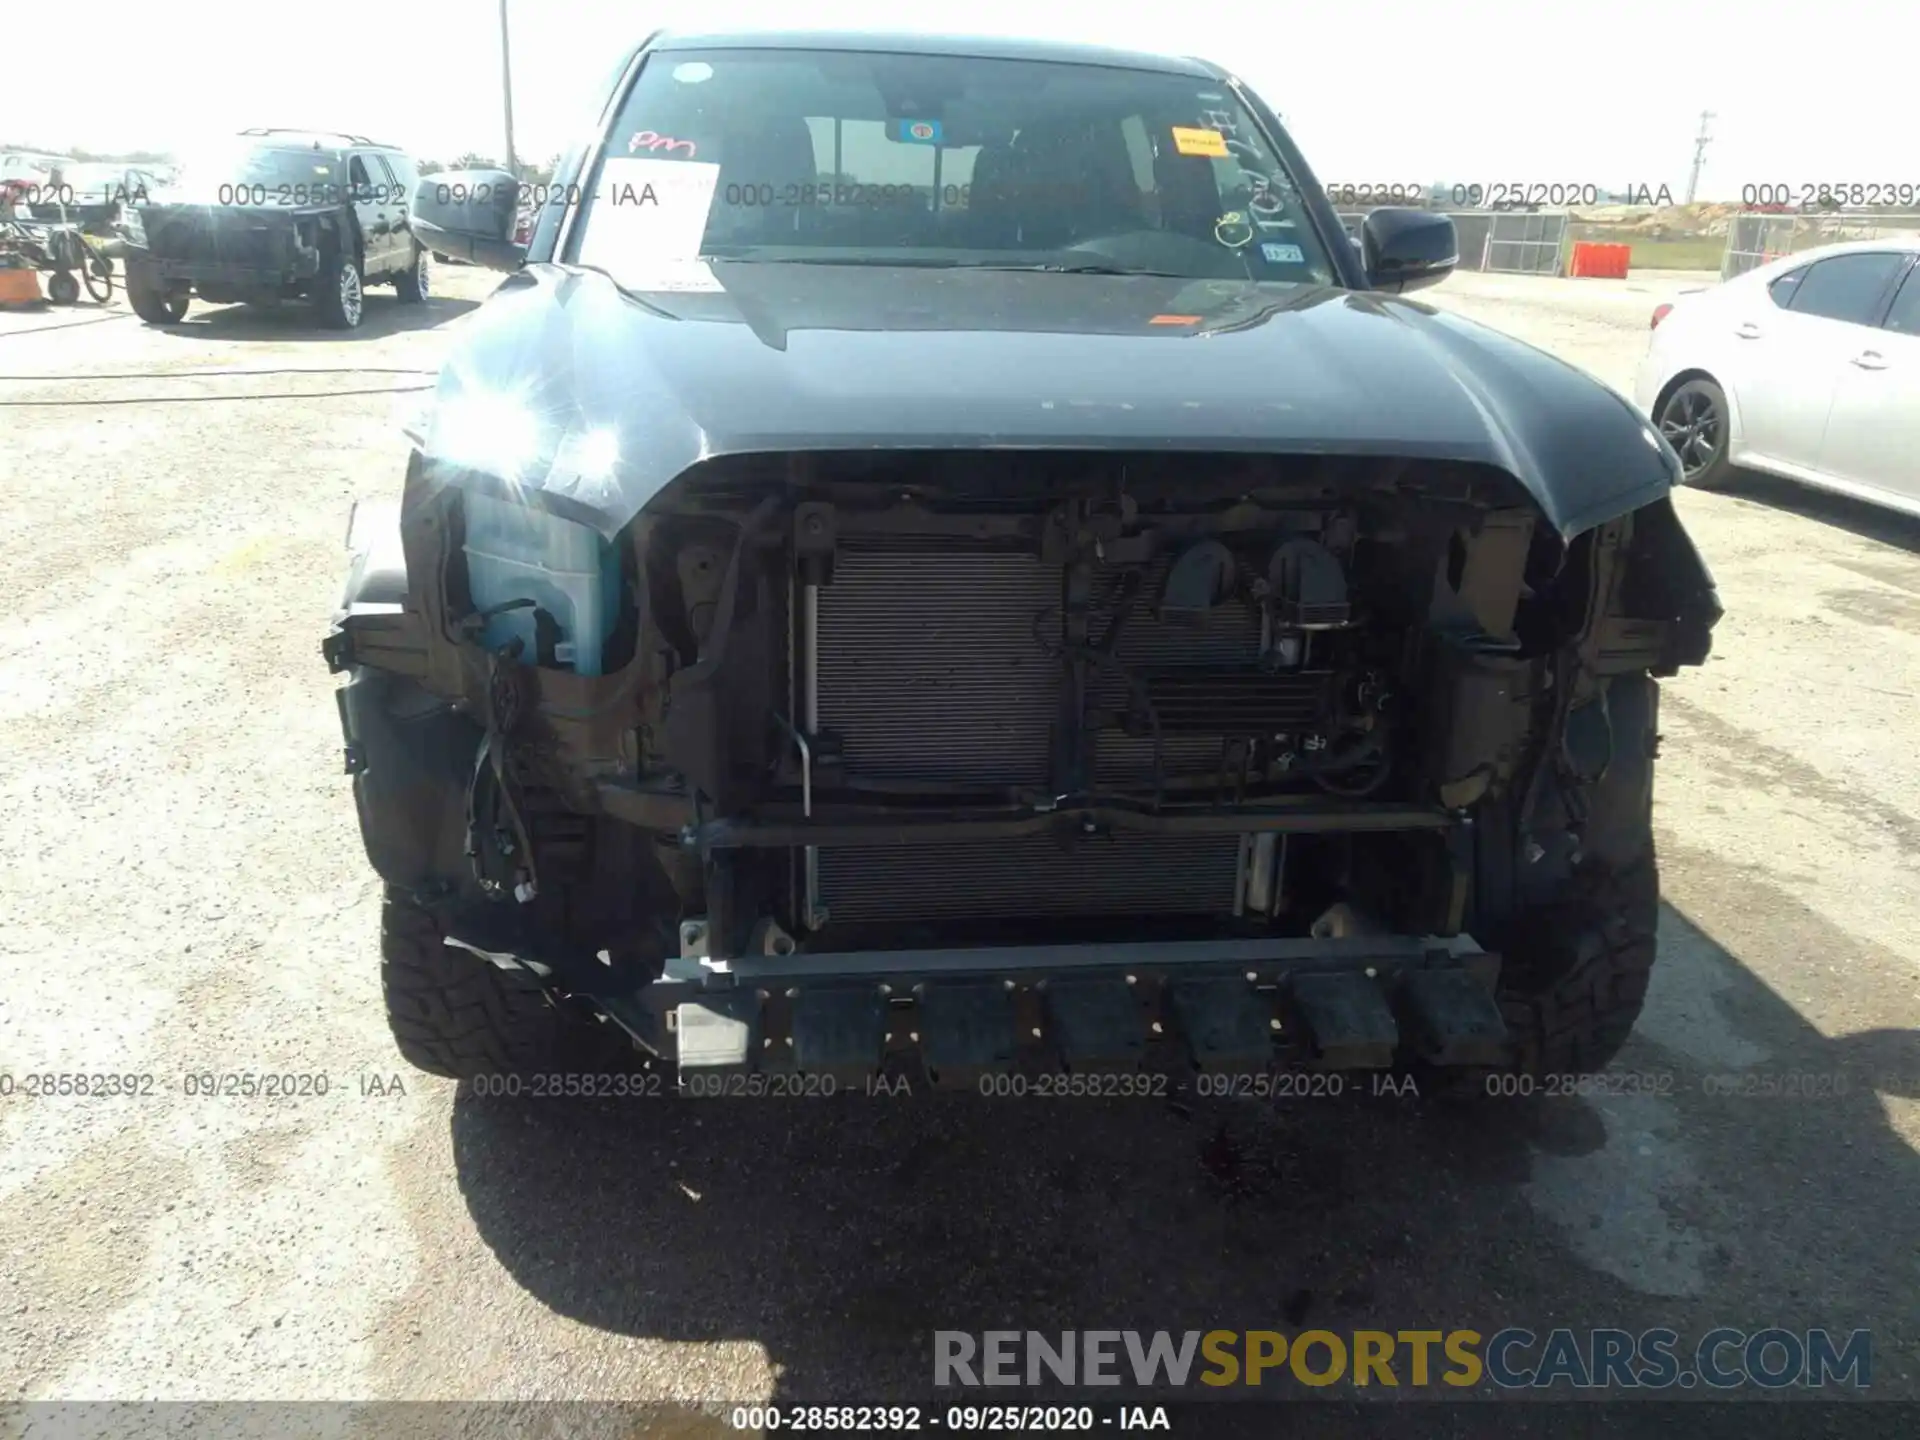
254,174
883,159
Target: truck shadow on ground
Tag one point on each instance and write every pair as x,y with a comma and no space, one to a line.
1843,512
841,1234
295,320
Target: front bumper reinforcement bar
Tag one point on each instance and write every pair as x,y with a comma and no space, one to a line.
1348,1003
787,827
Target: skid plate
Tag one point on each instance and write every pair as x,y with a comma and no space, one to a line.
839,1030
966,1031
1095,1024
1346,1019
1225,1022
1372,1002
1452,1019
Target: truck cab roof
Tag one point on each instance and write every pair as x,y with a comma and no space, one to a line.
907,43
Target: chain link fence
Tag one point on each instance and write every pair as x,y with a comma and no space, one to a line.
1532,243
1536,242
1755,238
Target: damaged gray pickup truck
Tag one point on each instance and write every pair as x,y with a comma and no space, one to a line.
942,558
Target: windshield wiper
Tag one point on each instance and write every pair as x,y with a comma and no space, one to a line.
1088,267
914,262
938,262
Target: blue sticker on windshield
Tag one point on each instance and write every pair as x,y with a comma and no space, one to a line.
1282,254
915,132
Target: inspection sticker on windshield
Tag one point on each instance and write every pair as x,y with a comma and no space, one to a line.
648,212
1189,140
1282,254
914,132
1232,230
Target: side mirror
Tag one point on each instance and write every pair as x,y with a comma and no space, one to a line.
1406,250
469,214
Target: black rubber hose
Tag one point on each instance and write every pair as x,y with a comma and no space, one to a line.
1099,657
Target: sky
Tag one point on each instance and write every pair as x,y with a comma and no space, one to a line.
1385,92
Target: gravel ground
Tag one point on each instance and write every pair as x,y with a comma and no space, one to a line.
184,893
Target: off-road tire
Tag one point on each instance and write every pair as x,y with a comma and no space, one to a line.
156,304
330,297
411,284
455,1014
1574,974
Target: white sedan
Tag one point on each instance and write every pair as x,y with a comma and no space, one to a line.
1807,367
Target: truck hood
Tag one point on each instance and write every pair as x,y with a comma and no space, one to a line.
591,398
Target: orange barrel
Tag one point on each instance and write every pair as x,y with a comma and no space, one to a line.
19,287
1596,261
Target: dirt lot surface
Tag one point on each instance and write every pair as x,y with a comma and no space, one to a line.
184,894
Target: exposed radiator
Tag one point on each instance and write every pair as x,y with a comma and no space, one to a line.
929,671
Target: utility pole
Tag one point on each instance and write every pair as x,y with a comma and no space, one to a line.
506,89
1700,143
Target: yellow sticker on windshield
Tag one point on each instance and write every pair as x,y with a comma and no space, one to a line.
1210,143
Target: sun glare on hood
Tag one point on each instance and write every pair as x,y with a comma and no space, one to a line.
589,455
493,433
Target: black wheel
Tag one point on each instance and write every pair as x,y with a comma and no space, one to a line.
339,293
1693,418
155,301
98,274
412,283
455,1014
1574,975
62,288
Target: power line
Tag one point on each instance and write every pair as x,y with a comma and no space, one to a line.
1700,143
506,90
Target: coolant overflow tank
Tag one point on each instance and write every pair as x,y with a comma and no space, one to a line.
520,553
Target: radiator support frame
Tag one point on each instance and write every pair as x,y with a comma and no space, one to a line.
778,827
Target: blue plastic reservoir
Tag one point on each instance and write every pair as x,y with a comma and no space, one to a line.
517,552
